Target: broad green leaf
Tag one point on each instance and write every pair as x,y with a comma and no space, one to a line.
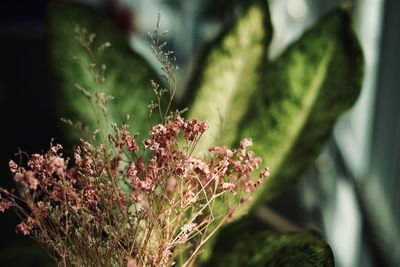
222,89
229,75
298,100
266,248
300,97
127,76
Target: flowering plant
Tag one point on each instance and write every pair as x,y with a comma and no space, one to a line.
120,203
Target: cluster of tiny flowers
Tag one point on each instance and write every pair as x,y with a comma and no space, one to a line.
130,204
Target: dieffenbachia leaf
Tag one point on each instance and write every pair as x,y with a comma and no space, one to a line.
229,75
235,247
127,75
301,95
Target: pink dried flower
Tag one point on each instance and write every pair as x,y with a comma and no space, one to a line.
27,179
91,196
131,171
129,141
265,172
158,130
249,187
131,263
200,164
222,152
132,174
262,176
151,144
186,229
116,205
56,148
148,185
118,195
176,124
13,166
31,180
193,129
25,227
136,197
229,186
245,143
36,163
57,194
77,156
182,168
5,204
41,209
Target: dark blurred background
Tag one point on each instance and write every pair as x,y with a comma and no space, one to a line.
350,192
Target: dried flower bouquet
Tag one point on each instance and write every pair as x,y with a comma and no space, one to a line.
117,202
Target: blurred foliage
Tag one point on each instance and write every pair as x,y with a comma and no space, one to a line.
258,248
127,75
300,97
221,91
226,9
288,106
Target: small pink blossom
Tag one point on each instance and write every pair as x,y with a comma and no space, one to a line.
265,172
25,227
77,156
5,204
56,148
229,186
13,166
131,263
245,143
131,171
91,196
249,186
262,176
176,124
36,163
158,130
200,164
41,209
31,180
151,144
129,141
193,129
222,152
182,168
136,197
186,229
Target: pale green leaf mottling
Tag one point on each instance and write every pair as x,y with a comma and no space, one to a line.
229,79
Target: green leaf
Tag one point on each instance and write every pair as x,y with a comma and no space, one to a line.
127,76
229,76
266,248
301,95
292,114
